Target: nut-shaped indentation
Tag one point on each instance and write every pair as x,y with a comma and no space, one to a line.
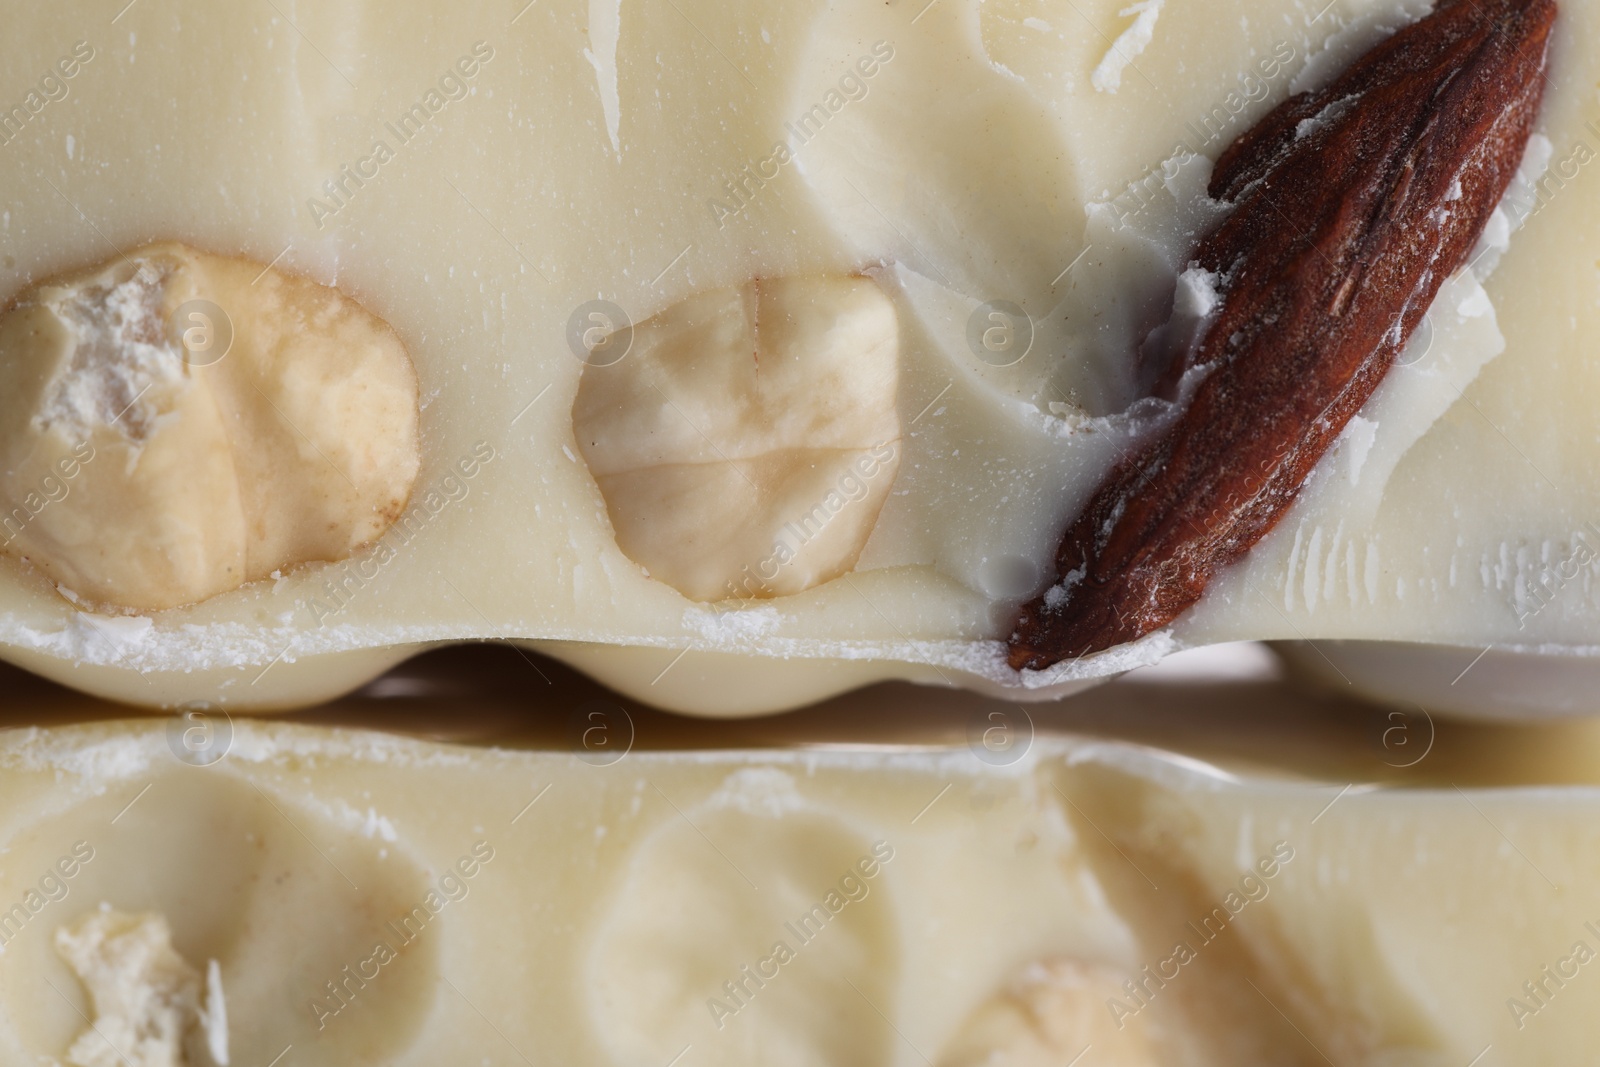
290,900
760,933
174,424
747,443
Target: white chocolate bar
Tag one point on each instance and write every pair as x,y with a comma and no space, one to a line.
924,897
1020,182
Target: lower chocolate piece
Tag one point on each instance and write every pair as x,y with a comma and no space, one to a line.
376,900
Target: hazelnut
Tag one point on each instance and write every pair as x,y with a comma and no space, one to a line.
749,437
174,424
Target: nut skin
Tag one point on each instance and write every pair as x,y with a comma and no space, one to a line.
1352,205
137,476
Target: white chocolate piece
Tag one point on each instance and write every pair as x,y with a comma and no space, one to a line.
214,1015
176,424
747,438
145,995
476,181
591,906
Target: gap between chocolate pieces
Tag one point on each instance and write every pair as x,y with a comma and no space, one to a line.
1351,206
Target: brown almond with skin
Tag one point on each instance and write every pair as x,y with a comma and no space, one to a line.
1351,206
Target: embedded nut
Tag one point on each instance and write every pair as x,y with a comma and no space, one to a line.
747,442
1349,208
1053,1011
174,424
